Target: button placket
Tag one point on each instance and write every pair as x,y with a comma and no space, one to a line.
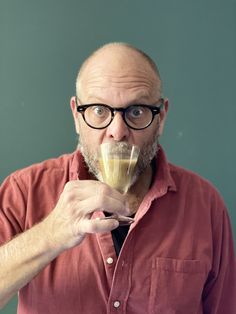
122,278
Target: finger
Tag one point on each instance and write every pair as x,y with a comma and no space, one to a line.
123,220
119,218
98,225
85,188
103,203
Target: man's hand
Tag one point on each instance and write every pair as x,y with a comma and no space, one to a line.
26,255
70,220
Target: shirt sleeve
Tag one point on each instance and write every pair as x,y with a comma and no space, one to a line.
12,208
219,295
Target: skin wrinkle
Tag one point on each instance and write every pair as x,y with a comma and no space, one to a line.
114,75
140,100
142,96
141,86
117,84
114,83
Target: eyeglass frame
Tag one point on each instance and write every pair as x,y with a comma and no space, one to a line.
155,111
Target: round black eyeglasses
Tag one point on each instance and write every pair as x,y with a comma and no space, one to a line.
136,117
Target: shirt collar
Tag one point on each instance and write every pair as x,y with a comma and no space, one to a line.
162,181
78,167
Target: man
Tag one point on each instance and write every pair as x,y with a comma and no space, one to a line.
177,256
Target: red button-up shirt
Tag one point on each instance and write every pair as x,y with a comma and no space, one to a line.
178,256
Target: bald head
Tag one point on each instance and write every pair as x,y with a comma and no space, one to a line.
117,59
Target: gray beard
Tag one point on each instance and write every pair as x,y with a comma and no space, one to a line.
147,153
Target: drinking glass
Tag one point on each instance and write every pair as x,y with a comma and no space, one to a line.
117,162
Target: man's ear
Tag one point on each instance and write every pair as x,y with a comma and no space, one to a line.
163,115
73,106
75,113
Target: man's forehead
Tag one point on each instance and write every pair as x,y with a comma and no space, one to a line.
117,59
117,75
141,96
118,67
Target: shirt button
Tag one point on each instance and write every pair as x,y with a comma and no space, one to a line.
116,304
109,260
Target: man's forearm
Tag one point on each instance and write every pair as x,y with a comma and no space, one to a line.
22,258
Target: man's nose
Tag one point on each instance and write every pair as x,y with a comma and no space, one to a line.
118,130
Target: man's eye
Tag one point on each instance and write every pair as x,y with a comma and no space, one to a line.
135,112
99,111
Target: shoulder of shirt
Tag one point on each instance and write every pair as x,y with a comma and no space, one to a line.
191,179
197,188
52,164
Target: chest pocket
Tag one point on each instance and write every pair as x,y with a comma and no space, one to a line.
176,286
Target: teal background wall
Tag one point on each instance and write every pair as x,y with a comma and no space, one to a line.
42,44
